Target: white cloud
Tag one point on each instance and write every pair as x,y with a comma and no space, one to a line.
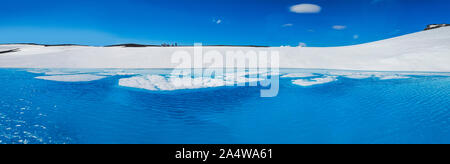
301,44
217,21
306,8
355,36
288,25
339,27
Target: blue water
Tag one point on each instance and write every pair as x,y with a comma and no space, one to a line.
414,110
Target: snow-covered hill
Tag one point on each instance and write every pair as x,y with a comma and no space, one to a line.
423,51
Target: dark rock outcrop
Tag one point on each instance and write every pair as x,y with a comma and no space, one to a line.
45,45
435,26
9,51
131,45
60,45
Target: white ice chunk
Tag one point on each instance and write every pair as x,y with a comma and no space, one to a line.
355,75
315,81
72,78
116,73
390,77
297,75
57,73
359,76
158,82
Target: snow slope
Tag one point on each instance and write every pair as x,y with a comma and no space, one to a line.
423,51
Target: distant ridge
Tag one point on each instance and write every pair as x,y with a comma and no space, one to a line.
435,26
46,45
59,45
143,45
127,45
8,51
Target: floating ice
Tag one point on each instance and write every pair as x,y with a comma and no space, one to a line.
57,73
51,72
315,81
151,82
175,82
297,75
365,75
390,77
72,78
355,75
425,74
116,73
359,76
35,71
157,82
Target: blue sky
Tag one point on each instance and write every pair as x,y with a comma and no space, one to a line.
211,22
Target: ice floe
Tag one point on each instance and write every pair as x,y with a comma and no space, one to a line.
355,75
390,77
314,81
72,78
57,73
298,75
150,82
365,75
116,73
162,83
424,74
